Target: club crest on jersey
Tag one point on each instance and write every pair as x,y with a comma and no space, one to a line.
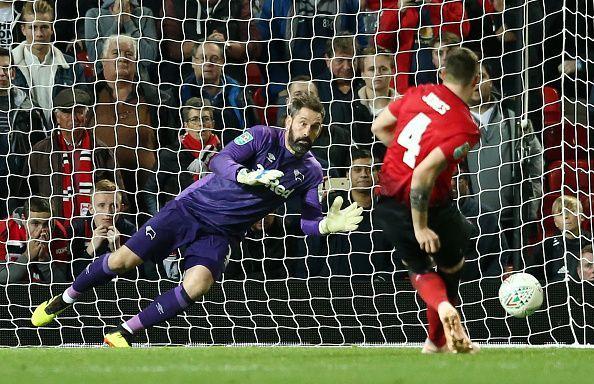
244,138
150,232
461,151
298,175
276,187
270,157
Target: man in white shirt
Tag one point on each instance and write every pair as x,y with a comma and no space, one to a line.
41,67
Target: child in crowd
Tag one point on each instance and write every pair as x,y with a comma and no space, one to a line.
560,254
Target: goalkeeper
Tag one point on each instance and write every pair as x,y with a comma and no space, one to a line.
252,176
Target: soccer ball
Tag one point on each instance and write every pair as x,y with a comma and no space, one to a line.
520,295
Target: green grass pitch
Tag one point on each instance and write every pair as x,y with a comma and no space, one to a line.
217,365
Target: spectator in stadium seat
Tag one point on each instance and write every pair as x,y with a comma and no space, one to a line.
486,254
238,51
491,162
183,163
299,48
298,86
33,247
585,269
337,85
377,68
332,150
71,150
337,94
400,30
369,12
225,94
128,112
40,67
20,127
567,47
68,23
266,252
559,255
230,22
364,254
489,34
102,230
122,17
427,71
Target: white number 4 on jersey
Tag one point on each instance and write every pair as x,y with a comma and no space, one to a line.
410,137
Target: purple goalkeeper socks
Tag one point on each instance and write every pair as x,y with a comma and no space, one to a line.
96,273
162,308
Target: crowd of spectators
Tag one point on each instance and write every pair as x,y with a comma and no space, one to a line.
110,108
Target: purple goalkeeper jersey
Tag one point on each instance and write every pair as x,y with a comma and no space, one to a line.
229,207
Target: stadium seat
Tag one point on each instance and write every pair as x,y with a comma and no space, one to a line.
548,224
83,59
574,138
552,106
573,175
254,76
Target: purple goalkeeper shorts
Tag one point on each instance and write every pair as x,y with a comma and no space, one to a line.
172,228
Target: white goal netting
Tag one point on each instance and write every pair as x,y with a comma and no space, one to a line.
169,83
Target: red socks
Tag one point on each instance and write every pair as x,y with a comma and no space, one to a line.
435,331
432,290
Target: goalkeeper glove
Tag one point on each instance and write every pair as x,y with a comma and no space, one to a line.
341,220
260,176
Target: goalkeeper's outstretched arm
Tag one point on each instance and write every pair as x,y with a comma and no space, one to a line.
338,220
230,160
229,163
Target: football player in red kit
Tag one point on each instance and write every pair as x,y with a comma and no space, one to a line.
428,132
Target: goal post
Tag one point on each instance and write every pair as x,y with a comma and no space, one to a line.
535,105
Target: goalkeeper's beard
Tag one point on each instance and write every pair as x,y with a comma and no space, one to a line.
299,146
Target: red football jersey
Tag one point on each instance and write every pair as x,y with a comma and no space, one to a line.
428,116
13,242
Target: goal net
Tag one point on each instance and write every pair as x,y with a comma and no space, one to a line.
236,64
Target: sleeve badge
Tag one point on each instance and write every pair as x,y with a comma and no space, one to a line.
244,138
461,151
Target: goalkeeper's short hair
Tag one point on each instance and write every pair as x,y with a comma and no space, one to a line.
309,101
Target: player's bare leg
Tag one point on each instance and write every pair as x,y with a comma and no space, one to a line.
123,260
197,281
